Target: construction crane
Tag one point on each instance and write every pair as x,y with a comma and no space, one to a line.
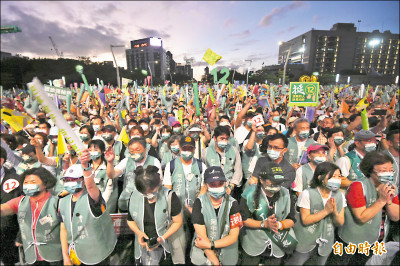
189,61
60,55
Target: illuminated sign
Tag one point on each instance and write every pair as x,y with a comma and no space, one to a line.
143,44
155,42
136,46
140,45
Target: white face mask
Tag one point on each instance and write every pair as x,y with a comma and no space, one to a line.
144,127
96,128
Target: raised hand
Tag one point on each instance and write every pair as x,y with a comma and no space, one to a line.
109,155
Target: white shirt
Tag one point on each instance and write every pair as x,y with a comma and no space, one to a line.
300,147
344,163
298,181
187,169
122,166
304,199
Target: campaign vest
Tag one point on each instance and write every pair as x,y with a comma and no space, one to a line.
168,157
322,232
117,151
355,232
92,238
161,216
47,231
101,180
395,170
163,148
292,155
354,172
186,187
307,175
255,241
228,255
247,156
230,158
129,181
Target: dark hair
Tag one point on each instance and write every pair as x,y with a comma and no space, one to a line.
343,119
99,143
321,171
3,154
46,123
390,135
21,140
10,140
140,129
172,139
353,117
267,139
144,120
185,119
225,117
221,130
371,159
268,128
48,179
141,141
43,135
333,131
97,117
166,128
89,129
394,125
132,120
147,179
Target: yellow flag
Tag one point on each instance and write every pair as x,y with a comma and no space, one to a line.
124,113
124,136
362,104
61,146
211,57
15,119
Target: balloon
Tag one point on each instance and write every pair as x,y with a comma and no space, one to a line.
314,78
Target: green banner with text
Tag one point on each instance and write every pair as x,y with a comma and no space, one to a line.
304,93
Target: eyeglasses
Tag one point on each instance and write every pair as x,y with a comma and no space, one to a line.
275,148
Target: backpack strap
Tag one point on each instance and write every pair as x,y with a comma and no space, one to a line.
200,165
172,166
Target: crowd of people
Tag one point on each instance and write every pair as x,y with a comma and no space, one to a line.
228,177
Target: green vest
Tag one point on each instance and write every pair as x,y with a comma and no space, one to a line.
213,159
307,175
163,148
186,187
354,172
355,232
247,156
394,227
255,241
228,255
168,157
161,216
129,181
47,231
101,180
117,151
322,232
292,155
92,238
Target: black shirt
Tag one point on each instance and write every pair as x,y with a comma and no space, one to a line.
198,218
288,170
149,220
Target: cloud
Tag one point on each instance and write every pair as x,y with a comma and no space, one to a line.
109,9
153,33
243,34
228,23
286,30
278,12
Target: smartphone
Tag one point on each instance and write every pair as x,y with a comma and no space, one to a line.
152,242
379,112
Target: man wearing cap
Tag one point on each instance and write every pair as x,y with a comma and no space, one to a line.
299,143
50,150
226,156
108,134
217,220
316,154
266,208
365,142
30,159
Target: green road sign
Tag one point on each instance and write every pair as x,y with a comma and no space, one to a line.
304,93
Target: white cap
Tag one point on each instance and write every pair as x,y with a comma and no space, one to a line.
322,117
74,171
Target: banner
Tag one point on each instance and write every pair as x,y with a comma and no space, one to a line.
55,115
60,92
304,93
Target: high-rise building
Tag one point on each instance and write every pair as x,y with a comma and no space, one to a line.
170,62
343,49
147,54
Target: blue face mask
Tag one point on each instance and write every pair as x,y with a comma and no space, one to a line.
249,123
344,126
222,144
338,140
186,155
304,134
73,186
94,155
260,135
107,137
318,160
333,184
370,147
31,189
137,157
216,192
273,155
275,118
386,177
175,149
165,136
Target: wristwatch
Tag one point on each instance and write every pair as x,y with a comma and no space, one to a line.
212,245
88,168
262,224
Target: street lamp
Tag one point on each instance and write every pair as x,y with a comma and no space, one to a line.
115,61
247,78
284,67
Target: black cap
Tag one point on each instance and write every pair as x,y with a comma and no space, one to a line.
187,141
214,173
28,149
273,172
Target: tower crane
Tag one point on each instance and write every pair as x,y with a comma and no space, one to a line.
60,55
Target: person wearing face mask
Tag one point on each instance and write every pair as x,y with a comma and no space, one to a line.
148,134
11,187
365,142
226,156
108,134
322,208
299,143
267,210
161,143
137,132
154,215
369,202
41,138
37,218
336,144
97,123
186,124
217,220
50,150
274,120
44,127
87,232
30,160
173,150
393,139
316,154
242,130
137,157
321,136
273,148
195,133
176,128
86,134
71,121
